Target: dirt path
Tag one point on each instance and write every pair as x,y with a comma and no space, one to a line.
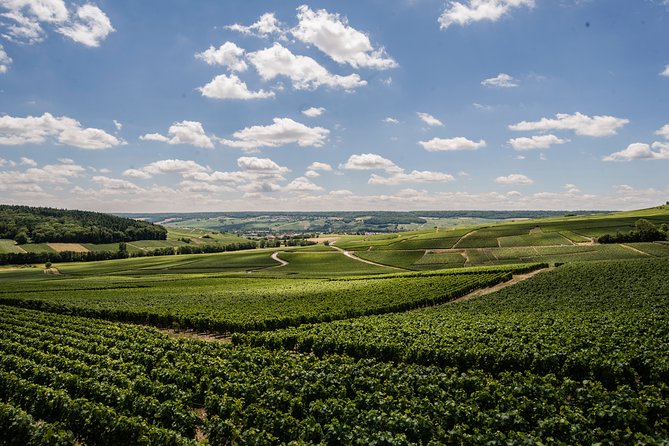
275,256
500,286
464,237
638,251
359,259
197,335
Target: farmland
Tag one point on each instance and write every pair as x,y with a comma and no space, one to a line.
381,338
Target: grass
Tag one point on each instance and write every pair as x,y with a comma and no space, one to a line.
9,246
400,259
37,247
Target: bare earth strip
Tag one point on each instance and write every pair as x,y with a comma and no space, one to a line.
455,245
638,251
60,247
198,335
354,257
500,286
275,256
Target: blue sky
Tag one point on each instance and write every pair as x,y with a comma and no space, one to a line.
143,106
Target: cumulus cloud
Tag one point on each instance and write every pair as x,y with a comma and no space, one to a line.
663,131
477,10
118,125
67,131
23,161
369,161
390,120
596,126
266,26
187,168
429,119
227,55
231,87
283,131
536,142
641,151
451,144
415,176
115,184
515,178
332,34
312,112
89,27
184,132
502,80
304,72
665,72
5,60
302,184
260,165
33,178
320,166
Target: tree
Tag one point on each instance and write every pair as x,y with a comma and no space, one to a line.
21,238
122,250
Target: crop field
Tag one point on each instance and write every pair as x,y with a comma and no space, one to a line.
601,321
207,302
652,249
400,259
436,260
9,246
537,239
321,264
563,356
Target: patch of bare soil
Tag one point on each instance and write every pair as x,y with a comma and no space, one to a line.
73,247
198,335
500,286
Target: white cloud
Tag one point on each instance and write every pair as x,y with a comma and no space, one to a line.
369,161
154,137
5,60
312,112
231,87
581,124
186,168
260,165
184,132
283,131
451,144
228,55
49,174
311,174
429,119
482,106
476,10
663,131
390,120
115,185
320,166
118,125
665,72
90,27
67,131
27,162
87,25
515,178
332,34
502,80
302,184
414,176
266,26
304,72
536,142
640,151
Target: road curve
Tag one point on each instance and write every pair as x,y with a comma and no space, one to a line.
275,256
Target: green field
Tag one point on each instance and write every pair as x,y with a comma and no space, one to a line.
328,349
188,299
8,246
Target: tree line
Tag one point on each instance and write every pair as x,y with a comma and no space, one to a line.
26,224
645,231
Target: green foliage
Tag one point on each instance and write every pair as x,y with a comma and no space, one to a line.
239,304
120,384
41,225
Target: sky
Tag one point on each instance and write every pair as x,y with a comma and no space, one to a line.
180,106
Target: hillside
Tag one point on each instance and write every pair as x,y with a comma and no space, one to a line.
41,225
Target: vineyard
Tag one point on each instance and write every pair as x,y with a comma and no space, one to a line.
99,382
206,302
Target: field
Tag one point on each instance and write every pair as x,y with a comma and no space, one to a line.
440,336
9,246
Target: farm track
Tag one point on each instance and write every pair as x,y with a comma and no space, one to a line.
638,251
464,237
276,257
354,257
500,286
